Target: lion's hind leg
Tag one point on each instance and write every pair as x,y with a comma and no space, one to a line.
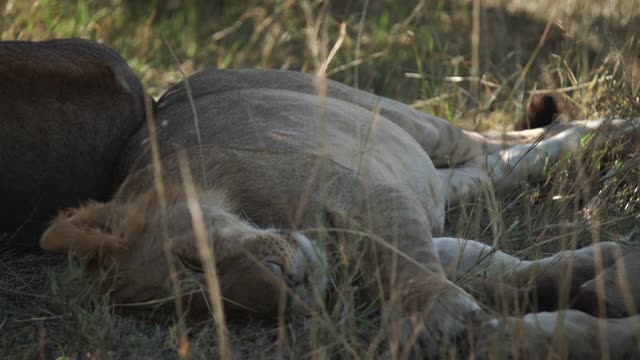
506,169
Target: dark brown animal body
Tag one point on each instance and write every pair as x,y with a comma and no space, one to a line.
67,107
541,111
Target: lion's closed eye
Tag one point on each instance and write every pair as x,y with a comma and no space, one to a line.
190,263
279,271
276,268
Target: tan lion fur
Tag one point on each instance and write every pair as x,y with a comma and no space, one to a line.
267,153
125,234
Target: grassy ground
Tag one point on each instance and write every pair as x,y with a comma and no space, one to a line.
476,71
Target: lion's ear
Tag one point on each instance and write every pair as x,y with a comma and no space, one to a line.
88,231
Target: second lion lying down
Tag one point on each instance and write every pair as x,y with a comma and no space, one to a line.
272,162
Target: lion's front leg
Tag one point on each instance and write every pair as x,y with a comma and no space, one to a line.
565,334
404,272
436,316
508,283
555,281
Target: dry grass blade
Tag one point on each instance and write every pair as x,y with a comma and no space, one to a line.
475,46
206,255
334,50
167,243
196,121
527,67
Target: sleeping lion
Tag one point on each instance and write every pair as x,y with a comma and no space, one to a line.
265,176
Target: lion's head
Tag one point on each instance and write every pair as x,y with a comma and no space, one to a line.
130,242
